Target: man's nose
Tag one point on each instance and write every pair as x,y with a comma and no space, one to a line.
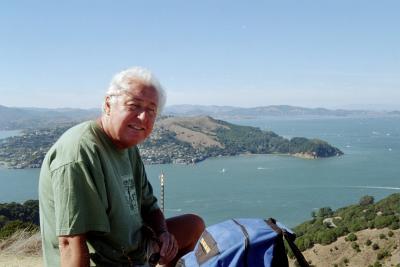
143,116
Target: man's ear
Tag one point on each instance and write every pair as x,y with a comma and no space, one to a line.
107,105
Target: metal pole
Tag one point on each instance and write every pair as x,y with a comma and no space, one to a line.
162,191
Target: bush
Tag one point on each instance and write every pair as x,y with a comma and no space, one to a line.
394,225
355,246
383,254
375,246
351,237
377,264
368,242
366,200
325,212
382,236
326,237
385,221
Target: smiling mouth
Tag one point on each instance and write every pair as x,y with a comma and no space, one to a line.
136,128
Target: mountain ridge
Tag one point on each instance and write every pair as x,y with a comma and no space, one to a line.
13,118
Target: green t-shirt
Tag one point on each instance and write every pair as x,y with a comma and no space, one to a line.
88,186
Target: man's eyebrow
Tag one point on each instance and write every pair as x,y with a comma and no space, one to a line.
134,99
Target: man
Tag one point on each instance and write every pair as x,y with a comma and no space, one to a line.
95,199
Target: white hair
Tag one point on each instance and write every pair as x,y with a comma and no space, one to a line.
122,81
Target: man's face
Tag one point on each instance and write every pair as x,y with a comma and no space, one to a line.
132,116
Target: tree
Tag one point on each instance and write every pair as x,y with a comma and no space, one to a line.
366,200
324,212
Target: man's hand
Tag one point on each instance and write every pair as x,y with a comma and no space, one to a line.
169,247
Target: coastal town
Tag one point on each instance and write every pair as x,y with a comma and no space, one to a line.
175,140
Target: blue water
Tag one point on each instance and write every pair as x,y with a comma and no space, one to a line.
283,187
5,134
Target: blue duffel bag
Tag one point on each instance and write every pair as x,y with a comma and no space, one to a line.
243,243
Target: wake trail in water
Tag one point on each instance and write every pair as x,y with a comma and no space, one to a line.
375,187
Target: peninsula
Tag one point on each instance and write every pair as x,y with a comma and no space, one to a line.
176,140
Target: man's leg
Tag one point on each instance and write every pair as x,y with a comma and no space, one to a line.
187,229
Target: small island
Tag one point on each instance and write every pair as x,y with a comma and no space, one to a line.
185,140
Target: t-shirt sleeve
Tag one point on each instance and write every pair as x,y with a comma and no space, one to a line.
79,206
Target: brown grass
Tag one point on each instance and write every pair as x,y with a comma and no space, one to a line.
22,249
337,252
22,243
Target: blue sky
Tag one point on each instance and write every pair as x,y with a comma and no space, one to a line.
312,53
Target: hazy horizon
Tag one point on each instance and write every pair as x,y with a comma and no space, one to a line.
331,54
366,107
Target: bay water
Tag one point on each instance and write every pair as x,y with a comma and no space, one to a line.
278,186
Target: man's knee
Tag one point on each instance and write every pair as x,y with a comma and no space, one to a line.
188,224
198,224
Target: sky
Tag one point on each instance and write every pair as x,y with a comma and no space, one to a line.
310,53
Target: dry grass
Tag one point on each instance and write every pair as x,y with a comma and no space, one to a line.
337,252
187,130
22,249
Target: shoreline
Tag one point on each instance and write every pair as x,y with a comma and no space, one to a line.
307,156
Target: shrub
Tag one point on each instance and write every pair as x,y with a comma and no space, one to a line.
375,246
324,212
390,233
351,237
383,254
394,225
385,221
366,200
382,236
368,242
326,237
355,246
377,264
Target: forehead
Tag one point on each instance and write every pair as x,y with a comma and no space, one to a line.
143,92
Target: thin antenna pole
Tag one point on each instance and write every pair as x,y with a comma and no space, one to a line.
162,191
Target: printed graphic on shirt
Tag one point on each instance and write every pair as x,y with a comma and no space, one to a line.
130,194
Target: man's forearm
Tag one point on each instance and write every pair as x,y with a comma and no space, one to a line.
74,251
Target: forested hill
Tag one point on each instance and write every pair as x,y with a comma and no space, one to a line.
176,140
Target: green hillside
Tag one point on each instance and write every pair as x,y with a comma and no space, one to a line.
327,225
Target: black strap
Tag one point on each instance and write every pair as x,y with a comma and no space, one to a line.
290,240
246,241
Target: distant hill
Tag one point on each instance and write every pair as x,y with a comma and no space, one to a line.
12,118
270,111
27,118
176,140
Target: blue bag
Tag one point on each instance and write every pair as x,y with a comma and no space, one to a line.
243,243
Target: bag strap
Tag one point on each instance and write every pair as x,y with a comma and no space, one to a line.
290,240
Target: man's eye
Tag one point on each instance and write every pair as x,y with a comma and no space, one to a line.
133,106
151,110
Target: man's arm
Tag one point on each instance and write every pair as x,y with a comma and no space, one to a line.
169,246
74,251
